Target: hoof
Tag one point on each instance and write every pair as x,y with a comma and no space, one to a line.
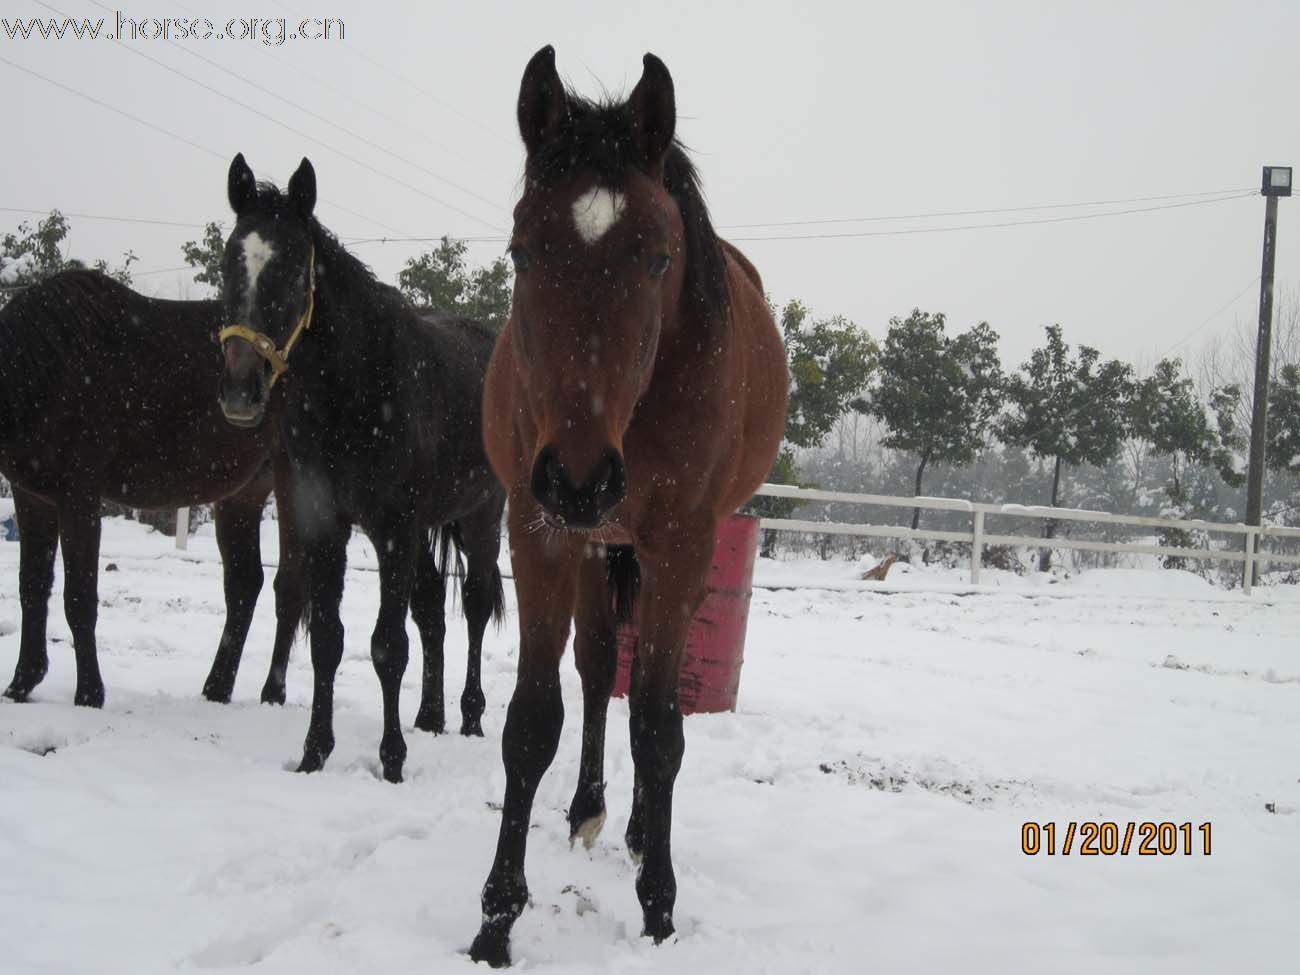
635,839
92,697
472,728
431,722
491,948
587,831
659,926
24,682
217,692
314,755
393,772
273,694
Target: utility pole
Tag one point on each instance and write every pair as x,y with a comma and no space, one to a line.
1276,183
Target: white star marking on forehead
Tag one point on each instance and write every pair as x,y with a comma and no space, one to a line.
257,254
596,211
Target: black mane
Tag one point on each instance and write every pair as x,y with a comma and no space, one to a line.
349,274
598,136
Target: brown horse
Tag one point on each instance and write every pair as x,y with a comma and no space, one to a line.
105,393
636,398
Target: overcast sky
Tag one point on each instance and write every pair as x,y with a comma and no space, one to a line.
807,112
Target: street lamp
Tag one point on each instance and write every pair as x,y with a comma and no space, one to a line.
1277,181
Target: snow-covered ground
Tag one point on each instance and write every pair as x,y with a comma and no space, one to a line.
861,812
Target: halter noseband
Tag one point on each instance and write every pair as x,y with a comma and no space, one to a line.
263,344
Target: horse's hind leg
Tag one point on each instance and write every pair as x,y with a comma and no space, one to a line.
290,595
396,547
428,607
238,523
483,599
79,535
38,540
595,645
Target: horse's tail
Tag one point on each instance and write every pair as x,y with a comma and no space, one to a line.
624,575
451,566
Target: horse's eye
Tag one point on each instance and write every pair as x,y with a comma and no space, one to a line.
658,266
519,257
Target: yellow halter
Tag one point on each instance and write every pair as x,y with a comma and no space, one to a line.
263,344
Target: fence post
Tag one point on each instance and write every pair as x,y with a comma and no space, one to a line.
1248,568
182,528
977,548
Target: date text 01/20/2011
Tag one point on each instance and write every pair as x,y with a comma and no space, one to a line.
1115,839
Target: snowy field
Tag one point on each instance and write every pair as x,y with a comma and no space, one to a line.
861,812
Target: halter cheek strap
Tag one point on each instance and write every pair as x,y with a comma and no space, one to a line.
263,344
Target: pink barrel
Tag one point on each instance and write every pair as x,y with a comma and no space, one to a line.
715,646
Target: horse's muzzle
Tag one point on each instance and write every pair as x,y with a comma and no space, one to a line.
243,394
578,507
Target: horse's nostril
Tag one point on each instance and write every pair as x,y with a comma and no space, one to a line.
547,478
611,488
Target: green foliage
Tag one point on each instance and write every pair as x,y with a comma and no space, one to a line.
831,362
32,254
785,470
936,395
1283,429
207,256
1166,413
440,279
1069,408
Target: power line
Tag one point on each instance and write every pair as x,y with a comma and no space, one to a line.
910,231
432,96
96,216
298,132
984,212
904,231
1213,315
316,115
167,132
11,288
418,132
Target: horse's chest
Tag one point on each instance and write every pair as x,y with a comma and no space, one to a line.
363,463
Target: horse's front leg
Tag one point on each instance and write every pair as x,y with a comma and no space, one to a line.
395,544
238,522
326,561
675,571
544,584
595,646
290,593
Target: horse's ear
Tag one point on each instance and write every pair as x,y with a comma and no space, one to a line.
543,105
302,188
241,186
654,111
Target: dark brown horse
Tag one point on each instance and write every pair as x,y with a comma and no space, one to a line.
107,394
383,431
636,398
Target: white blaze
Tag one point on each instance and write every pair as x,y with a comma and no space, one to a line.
596,211
257,254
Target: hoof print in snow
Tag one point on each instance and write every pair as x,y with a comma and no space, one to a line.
881,778
583,904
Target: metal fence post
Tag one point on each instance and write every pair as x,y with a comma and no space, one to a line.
182,528
977,547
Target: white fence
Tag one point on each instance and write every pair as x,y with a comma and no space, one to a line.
1247,551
